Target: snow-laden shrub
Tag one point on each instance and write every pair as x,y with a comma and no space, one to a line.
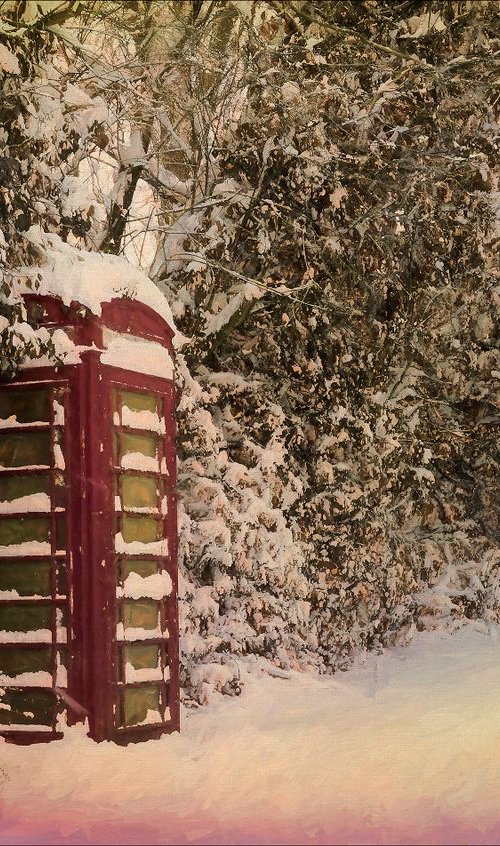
346,269
306,549
243,588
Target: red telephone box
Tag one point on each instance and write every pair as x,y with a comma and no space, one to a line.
88,538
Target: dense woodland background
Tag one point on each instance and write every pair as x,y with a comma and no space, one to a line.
314,185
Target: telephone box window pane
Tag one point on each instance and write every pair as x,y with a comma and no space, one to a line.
17,530
60,533
61,616
140,529
25,449
15,487
59,490
59,461
26,406
126,443
139,703
139,491
140,614
61,579
27,578
27,706
62,672
25,618
58,405
17,660
136,565
142,656
138,402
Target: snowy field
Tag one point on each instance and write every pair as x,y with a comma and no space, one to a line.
403,748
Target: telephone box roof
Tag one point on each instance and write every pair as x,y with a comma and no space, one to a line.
90,279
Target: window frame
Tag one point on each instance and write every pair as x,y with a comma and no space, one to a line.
57,389
167,643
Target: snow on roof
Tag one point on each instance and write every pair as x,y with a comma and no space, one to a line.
89,278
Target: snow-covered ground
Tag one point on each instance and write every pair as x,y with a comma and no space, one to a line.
403,748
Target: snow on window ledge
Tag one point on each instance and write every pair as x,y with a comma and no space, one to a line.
26,727
157,586
25,549
137,548
133,633
139,461
144,674
38,679
32,503
36,636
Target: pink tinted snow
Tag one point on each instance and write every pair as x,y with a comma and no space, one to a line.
401,749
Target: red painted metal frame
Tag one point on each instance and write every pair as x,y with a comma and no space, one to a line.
91,558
